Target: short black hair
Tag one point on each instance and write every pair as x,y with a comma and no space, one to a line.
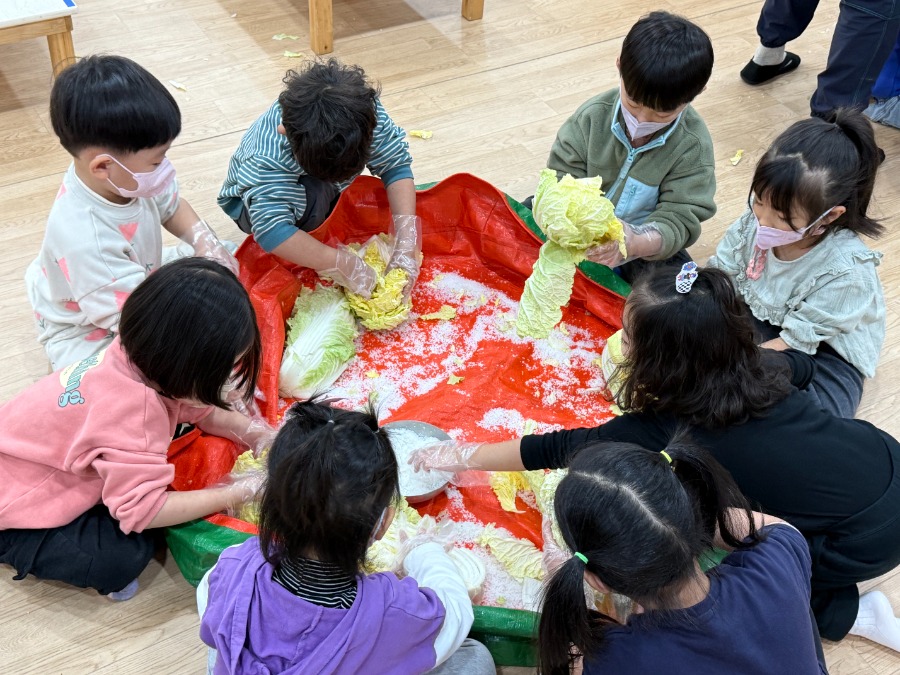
331,475
190,328
112,102
328,113
666,61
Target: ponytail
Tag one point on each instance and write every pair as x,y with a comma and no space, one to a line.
567,620
859,131
641,519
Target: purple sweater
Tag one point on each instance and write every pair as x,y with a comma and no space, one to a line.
258,627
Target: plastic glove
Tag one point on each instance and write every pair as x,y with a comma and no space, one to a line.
641,241
553,554
429,531
445,456
259,436
243,490
351,272
207,245
407,253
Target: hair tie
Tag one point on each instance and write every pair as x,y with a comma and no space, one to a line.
330,421
686,277
666,455
581,556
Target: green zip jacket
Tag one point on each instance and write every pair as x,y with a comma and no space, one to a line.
669,183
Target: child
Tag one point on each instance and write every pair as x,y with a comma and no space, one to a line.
103,234
83,451
649,145
691,361
797,260
638,522
305,605
292,164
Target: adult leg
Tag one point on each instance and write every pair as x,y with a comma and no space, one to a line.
886,92
90,552
864,36
780,21
472,658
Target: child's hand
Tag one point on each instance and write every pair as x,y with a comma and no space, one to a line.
641,241
259,436
446,456
351,272
243,490
207,245
429,531
407,249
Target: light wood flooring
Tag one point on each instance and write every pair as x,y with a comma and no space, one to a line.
493,92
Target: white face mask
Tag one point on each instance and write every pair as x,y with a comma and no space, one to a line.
638,129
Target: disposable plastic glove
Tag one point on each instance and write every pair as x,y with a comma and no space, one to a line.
259,436
207,245
243,490
351,272
407,253
553,555
641,241
445,456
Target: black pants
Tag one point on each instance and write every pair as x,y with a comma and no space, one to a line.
90,552
864,36
321,198
632,271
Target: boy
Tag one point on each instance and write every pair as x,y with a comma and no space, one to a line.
292,164
103,233
651,148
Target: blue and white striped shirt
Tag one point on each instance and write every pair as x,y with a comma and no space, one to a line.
264,172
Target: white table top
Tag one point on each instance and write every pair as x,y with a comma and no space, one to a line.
18,12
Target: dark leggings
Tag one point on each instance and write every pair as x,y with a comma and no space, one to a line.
90,552
321,198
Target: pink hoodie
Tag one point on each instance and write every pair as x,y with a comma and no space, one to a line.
91,432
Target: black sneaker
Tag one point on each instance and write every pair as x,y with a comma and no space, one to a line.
754,74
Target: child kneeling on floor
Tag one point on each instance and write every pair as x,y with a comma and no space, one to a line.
638,522
83,451
295,599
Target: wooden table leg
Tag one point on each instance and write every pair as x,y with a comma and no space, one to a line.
321,27
62,50
471,9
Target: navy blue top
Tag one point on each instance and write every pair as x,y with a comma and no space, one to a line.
756,619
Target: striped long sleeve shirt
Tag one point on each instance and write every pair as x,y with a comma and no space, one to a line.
262,174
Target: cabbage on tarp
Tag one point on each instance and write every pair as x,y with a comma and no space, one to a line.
473,228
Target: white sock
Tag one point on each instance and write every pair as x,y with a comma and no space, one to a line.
768,56
876,622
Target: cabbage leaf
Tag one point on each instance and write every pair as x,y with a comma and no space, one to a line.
320,342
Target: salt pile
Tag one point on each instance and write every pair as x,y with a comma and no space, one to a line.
414,483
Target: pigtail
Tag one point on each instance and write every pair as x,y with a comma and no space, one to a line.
714,494
567,621
859,131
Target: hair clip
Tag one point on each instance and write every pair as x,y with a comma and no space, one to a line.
686,277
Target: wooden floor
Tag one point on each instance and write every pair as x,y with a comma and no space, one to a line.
493,92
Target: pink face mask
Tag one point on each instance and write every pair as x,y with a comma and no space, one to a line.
636,128
149,184
770,237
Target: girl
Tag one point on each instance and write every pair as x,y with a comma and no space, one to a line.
294,599
797,260
637,522
691,361
83,451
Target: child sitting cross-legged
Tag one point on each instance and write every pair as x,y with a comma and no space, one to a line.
103,234
295,599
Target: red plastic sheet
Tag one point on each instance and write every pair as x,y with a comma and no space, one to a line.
469,229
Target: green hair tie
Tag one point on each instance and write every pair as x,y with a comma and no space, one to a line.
581,556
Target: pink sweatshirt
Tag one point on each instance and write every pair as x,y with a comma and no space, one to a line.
91,432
